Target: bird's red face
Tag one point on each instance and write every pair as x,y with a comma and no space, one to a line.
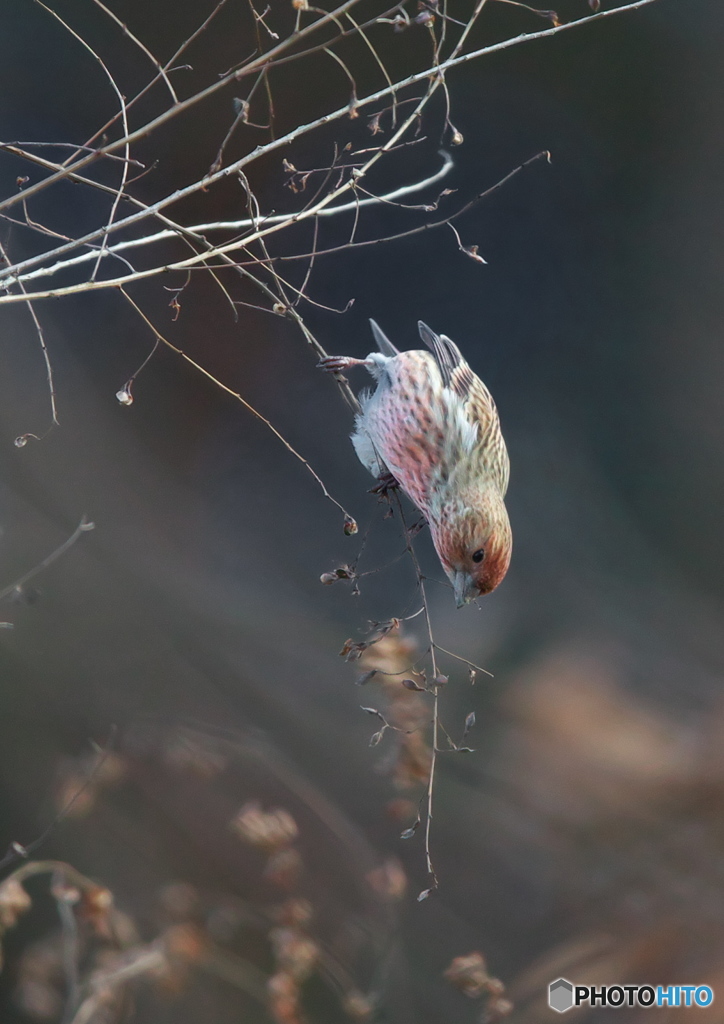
474,548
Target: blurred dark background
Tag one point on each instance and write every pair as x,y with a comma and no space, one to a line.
584,836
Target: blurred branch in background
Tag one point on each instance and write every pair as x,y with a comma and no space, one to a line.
279,921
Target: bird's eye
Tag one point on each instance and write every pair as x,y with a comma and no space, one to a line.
479,555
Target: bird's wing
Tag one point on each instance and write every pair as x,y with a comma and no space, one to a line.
476,401
383,342
481,409
454,369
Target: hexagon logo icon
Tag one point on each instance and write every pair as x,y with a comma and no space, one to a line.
560,995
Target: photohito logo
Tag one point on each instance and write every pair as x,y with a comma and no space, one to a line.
564,995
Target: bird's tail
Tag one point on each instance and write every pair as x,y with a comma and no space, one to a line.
383,342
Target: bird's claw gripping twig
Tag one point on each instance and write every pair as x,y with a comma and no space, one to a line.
338,364
384,485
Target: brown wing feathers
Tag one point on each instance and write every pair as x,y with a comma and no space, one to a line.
455,372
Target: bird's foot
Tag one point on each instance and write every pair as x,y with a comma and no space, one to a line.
384,485
338,364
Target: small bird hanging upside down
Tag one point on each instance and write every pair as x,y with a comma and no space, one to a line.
431,426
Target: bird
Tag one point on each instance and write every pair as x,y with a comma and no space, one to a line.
431,427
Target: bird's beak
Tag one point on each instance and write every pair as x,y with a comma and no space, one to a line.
463,588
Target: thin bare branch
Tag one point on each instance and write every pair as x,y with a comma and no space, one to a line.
84,526
231,225
48,365
299,130
17,851
198,97
235,394
141,46
435,690
124,118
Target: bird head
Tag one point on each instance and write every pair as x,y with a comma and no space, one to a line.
474,542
